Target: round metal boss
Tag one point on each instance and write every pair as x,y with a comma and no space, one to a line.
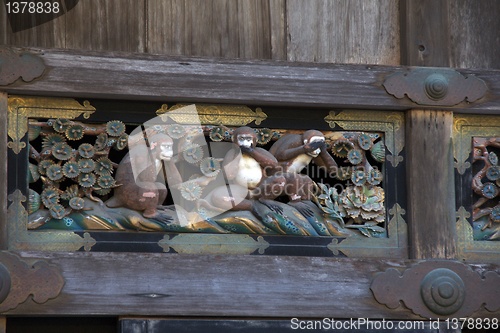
436,86
443,291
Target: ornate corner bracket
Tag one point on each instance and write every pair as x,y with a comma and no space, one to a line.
19,280
21,239
436,289
20,108
15,65
435,86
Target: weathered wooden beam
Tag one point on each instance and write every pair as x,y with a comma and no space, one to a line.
430,184
159,78
223,286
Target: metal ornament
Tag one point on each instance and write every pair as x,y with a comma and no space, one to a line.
15,65
20,108
435,86
443,291
229,115
19,280
436,289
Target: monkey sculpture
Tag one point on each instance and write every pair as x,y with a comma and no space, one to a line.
140,176
294,153
250,170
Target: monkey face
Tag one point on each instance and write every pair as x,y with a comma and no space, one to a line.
315,141
166,151
245,140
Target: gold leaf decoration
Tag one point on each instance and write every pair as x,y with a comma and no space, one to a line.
22,239
464,128
20,108
216,114
213,244
394,245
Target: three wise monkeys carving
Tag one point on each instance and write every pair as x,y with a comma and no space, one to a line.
251,173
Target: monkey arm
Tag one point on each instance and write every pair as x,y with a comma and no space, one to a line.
266,160
290,153
324,159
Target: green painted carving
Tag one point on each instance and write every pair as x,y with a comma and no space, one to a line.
74,179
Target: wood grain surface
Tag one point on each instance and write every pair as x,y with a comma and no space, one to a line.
363,32
430,184
223,286
159,78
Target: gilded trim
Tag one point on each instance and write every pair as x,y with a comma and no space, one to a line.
20,108
214,114
22,239
464,128
468,248
377,247
391,123
213,244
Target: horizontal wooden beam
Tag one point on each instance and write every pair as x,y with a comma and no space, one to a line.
222,286
110,75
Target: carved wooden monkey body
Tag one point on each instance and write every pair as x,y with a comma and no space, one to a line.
251,168
295,152
140,178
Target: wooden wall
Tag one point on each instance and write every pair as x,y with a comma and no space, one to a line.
340,31
336,31
450,33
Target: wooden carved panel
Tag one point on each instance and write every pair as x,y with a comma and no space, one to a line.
476,150
87,183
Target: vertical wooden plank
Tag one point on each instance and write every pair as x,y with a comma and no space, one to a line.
217,28
3,324
475,33
343,31
49,34
431,198
277,14
3,171
108,25
214,27
4,25
255,32
166,27
425,33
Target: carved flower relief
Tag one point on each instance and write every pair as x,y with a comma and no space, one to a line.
363,203
74,170
486,186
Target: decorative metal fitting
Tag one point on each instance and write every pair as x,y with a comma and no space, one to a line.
435,289
14,65
443,291
19,280
435,86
